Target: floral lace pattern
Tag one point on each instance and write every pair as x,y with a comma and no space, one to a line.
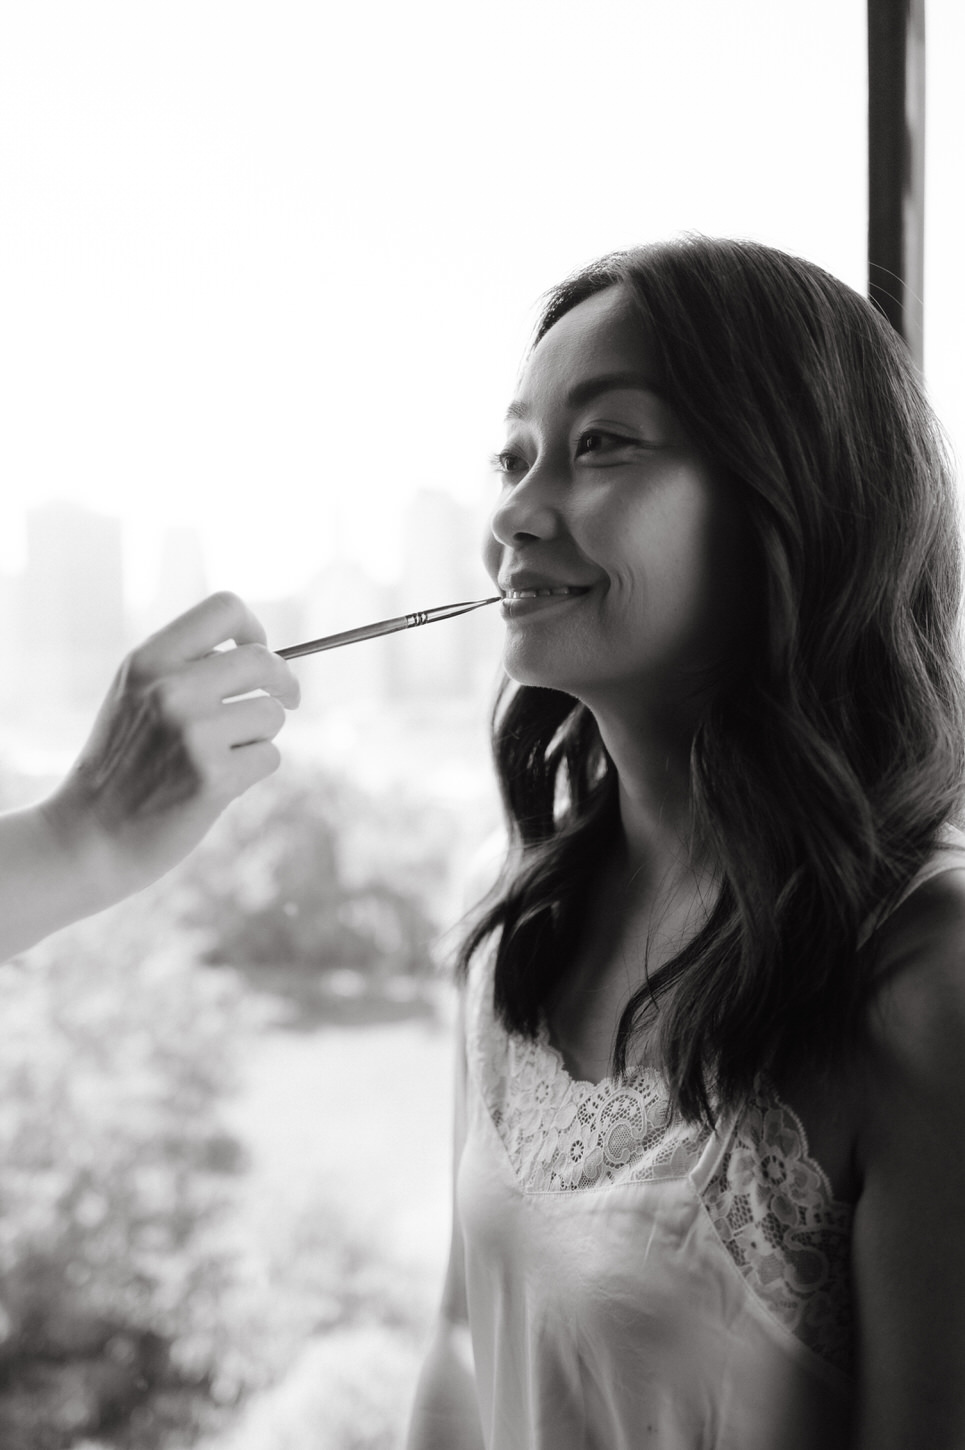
769,1203
561,1135
772,1208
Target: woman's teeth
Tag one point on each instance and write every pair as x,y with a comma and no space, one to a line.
538,593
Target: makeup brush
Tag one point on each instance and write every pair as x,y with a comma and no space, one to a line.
384,626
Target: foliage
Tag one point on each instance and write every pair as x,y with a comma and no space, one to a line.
349,1390
114,1053
325,1338
308,870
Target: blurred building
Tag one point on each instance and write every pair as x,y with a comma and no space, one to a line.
182,574
440,565
341,596
73,624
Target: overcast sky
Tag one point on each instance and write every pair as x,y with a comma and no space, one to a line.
269,268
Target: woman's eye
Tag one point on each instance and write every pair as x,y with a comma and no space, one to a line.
595,440
508,463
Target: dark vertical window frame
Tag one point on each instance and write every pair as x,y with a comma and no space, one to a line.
896,165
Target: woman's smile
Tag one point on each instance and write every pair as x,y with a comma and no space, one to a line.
518,603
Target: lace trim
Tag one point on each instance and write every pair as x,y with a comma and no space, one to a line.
769,1203
772,1209
563,1135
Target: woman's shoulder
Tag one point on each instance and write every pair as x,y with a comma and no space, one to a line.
924,934
916,1015
911,1051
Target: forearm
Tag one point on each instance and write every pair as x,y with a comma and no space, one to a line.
49,877
446,1411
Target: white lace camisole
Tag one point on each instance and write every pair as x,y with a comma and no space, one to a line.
633,1283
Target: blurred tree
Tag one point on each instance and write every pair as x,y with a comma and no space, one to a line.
114,1053
310,871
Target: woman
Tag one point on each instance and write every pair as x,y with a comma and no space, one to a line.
710,1113
180,734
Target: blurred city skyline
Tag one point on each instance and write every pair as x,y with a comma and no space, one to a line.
267,272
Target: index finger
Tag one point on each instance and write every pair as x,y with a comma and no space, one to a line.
194,634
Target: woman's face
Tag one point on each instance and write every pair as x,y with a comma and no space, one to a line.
606,503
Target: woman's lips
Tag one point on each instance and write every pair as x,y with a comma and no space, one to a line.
518,602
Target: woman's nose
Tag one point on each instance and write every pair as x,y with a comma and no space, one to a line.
526,512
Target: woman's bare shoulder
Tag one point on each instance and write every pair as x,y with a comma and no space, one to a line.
911,1078
920,966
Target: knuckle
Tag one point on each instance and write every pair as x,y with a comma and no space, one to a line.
203,755
137,671
226,602
169,702
226,612
194,743
235,619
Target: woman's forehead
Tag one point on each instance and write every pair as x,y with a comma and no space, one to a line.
602,337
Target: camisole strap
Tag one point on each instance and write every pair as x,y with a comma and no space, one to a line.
949,855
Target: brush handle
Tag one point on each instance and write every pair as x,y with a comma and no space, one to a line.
348,636
384,626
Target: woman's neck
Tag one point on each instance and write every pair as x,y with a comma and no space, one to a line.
652,765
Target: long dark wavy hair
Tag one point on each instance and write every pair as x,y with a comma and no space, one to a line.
830,758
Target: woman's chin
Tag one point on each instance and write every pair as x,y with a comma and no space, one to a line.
540,672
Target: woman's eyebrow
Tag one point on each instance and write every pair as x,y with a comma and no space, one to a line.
584,392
